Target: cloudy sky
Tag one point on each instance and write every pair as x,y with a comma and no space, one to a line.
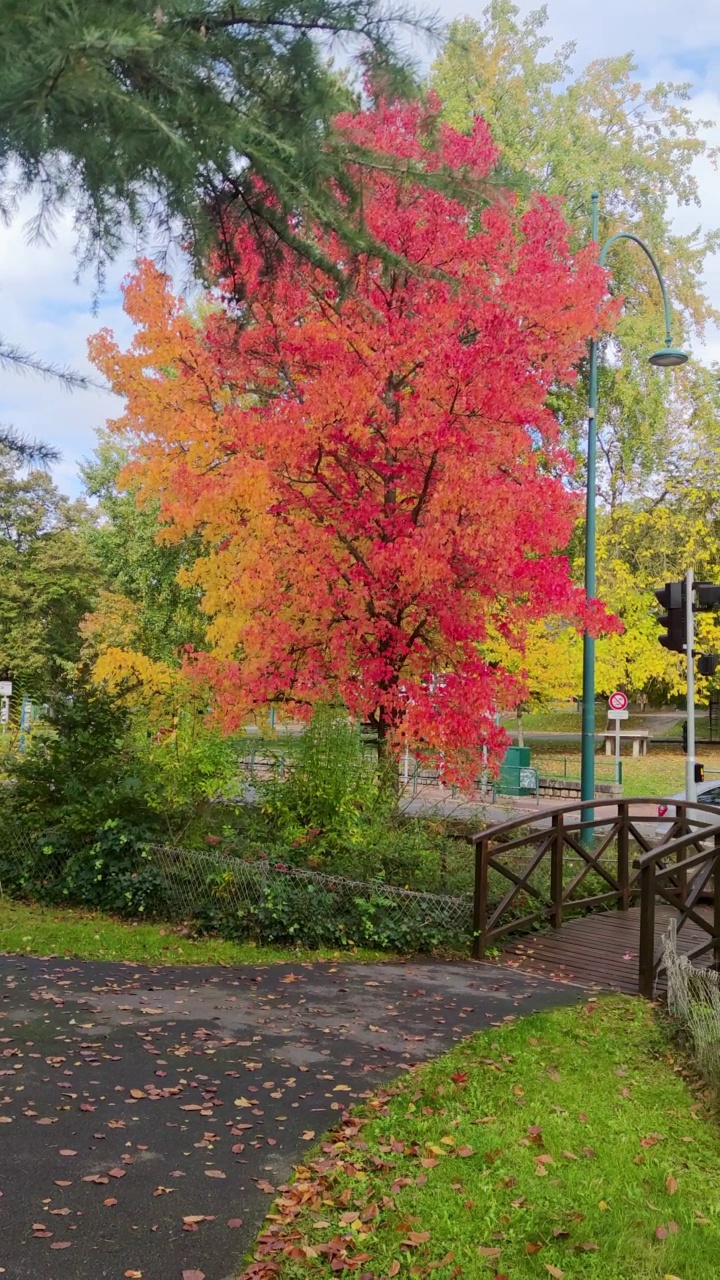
43,308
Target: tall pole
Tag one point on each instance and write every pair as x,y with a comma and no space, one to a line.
587,772
668,358
690,784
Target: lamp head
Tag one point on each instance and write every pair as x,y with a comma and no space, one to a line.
668,357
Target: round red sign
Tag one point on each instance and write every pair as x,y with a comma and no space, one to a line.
617,701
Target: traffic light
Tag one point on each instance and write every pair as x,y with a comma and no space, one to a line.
707,595
708,663
699,771
684,737
673,620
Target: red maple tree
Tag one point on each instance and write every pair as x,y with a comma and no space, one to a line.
378,481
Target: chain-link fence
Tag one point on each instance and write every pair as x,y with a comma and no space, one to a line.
694,1001
238,898
26,862
310,905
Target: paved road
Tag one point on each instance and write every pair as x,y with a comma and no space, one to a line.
147,1114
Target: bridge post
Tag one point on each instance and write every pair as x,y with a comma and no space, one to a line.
716,903
556,870
647,931
482,855
623,862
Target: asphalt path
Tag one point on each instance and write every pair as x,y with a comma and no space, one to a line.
148,1114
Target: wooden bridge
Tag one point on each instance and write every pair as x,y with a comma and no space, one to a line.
588,897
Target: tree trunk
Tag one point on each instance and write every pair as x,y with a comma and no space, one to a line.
520,735
388,770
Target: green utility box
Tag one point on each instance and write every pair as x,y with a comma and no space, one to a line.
516,777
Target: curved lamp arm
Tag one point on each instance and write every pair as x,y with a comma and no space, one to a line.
627,235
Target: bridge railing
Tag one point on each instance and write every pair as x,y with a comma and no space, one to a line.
681,872
587,856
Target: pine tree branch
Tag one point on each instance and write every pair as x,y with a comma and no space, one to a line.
34,453
14,357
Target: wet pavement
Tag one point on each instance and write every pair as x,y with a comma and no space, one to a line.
147,1114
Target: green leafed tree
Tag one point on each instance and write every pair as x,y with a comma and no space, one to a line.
570,133
142,605
48,579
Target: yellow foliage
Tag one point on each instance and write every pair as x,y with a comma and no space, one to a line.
134,676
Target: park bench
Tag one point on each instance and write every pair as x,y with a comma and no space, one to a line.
638,737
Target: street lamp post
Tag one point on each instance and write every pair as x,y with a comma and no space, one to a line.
667,357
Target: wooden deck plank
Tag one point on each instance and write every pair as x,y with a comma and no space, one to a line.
597,951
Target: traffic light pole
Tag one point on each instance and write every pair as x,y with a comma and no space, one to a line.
690,784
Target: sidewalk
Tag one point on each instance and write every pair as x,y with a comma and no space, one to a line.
431,799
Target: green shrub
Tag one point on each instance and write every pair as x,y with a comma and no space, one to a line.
114,872
80,768
298,911
328,791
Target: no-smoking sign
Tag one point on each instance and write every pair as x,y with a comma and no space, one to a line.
618,701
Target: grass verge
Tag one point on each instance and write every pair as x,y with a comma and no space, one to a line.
566,1144
660,773
29,929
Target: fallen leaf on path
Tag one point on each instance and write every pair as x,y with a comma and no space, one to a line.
215,1173
235,1222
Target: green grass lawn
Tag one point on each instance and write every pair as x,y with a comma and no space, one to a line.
29,929
554,721
570,721
567,1144
661,772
